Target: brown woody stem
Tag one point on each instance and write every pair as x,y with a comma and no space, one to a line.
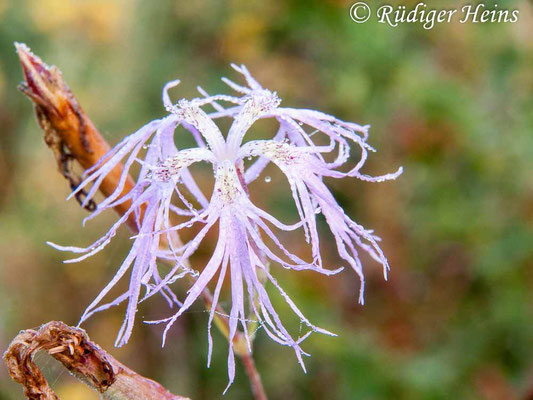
67,130
86,360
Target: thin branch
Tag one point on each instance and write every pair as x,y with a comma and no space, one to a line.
253,376
83,358
73,137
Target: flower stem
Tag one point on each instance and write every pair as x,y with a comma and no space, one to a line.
253,376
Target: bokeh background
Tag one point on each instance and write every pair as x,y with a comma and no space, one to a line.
453,105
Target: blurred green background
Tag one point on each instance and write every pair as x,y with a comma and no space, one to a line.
453,105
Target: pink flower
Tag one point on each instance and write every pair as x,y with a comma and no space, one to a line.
242,226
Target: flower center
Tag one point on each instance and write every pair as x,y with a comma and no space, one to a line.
228,187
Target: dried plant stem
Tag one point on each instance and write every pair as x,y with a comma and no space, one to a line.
68,132
72,136
86,360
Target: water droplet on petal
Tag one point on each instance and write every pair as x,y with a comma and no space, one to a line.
268,179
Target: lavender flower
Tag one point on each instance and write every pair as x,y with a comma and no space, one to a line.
242,226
